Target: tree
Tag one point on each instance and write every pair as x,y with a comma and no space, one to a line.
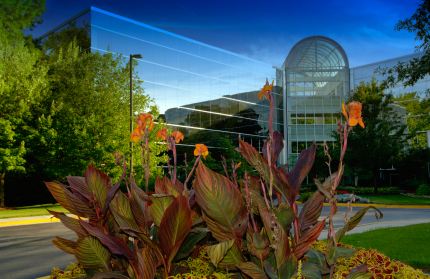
22,83
419,23
417,119
380,143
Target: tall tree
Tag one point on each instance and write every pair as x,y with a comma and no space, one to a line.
378,145
419,23
22,83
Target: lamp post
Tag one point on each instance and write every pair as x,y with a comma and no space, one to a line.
137,56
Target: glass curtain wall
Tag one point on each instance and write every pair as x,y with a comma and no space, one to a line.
317,81
204,91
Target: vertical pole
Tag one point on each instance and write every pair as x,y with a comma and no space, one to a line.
285,100
131,112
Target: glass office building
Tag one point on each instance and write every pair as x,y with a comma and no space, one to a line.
209,93
371,71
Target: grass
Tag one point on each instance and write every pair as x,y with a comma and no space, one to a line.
398,200
408,244
28,211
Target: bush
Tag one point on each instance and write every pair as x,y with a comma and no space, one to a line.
370,190
423,190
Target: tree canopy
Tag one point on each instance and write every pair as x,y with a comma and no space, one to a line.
417,68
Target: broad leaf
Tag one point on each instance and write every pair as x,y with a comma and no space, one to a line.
254,158
307,239
276,147
311,211
258,244
252,270
68,200
70,223
120,208
78,185
288,268
139,207
159,205
326,187
190,242
285,216
66,245
148,263
115,245
218,251
109,275
165,186
319,259
222,202
174,227
311,271
232,258
98,183
355,220
301,169
92,254
359,272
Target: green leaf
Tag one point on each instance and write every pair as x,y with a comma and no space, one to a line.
66,245
121,210
232,258
218,251
285,216
221,202
98,184
193,237
318,258
311,271
336,252
174,227
355,220
252,270
288,268
159,205
258,244
92,254
165,186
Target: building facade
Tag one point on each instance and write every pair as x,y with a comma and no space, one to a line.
209,93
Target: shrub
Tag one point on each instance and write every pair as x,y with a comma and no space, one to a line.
423,190
249,226
370,190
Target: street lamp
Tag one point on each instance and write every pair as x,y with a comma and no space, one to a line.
137,56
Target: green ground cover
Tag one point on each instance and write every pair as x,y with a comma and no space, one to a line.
408,244
28,211
397,199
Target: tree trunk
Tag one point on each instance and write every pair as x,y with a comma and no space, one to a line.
2,197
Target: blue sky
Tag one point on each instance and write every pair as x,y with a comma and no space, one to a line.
265,30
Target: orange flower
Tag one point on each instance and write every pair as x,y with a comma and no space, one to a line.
162,134
144,120
136,135
202,150
352,113
178,136
266,90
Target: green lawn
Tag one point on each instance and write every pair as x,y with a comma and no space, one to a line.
27,211
398,199
408,244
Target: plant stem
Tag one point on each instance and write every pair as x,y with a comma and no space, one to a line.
191,172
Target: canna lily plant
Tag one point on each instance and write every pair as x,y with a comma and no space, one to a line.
248,227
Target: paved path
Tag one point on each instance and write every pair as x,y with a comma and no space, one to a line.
26,250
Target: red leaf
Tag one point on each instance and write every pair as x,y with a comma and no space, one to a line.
98,184
174,227
311,211
301,169
165,186
221,202
307,239
276,147
65,245
69,201
70,223
78,185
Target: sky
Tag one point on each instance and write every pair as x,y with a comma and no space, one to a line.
265,30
